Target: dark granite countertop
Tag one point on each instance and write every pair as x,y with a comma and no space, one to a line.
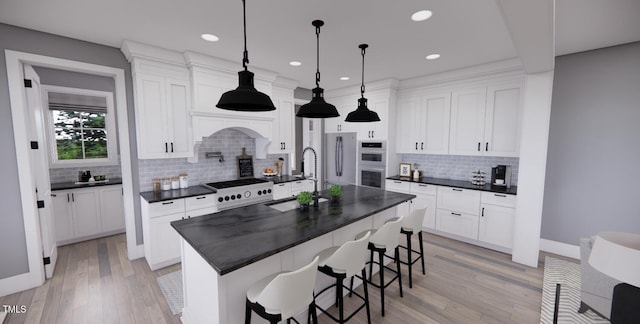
153,197
234,238
460,184
283,179
73,185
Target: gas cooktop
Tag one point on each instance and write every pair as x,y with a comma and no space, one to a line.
235,183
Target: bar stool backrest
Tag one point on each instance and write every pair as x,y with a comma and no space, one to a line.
388,234
291,292
350,257
414,220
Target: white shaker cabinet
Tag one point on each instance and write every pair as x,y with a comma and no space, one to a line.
496,219
283,138
486,121
86,213
425,198
162,94
423,123
458,211
281,190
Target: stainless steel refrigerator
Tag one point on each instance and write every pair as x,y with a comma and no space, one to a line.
340,159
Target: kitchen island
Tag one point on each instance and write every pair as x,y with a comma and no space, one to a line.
224,253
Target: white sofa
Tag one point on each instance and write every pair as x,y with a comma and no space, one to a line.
596,288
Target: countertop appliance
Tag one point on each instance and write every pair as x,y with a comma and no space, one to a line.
243,192
501,175
340,159
372,162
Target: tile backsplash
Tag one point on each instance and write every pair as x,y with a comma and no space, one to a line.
71,174
228,141
459,167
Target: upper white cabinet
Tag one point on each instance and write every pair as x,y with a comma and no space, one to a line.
486,121
381,98
162,94
283,132
423,123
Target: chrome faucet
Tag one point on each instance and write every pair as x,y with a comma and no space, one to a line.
315,172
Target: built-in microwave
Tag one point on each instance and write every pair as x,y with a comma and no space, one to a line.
372,164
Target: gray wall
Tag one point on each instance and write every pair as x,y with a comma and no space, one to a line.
12,239
593,161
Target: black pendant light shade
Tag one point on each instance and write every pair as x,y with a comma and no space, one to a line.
245,97
317,107
362,114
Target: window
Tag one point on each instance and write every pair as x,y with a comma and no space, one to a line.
82,127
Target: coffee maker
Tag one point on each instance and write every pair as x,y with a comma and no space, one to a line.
501,175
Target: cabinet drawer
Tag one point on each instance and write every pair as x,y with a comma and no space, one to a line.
297,187
457,223
198,202
166,207
398,186
201,212
423,188
498,199
459,200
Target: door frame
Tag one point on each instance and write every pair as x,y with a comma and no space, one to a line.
15,74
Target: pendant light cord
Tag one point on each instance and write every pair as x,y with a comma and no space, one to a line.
245,57
362,86
317,56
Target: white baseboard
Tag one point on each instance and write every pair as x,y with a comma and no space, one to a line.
564,249
17,283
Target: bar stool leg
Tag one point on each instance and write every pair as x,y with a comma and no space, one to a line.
312,310
380,258
371,266
409,263
366,294
398,269
247,313
421,252
339,286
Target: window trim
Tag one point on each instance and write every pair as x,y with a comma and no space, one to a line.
110,127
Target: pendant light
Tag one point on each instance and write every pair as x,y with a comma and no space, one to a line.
362,114
317,107
245,97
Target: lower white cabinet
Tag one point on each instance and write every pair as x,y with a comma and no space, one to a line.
458,211
496,219
425,198
457,223
161,241
292,188
86,213
281,190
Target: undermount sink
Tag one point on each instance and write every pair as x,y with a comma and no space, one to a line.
290,204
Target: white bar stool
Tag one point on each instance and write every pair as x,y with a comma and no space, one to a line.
382,240
341,263
283,295
410,225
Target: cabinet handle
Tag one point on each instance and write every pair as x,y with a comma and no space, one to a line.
416,145
422,185
478,146
166,147
456,214
167,203
486,147
422,145
73,197
203,197
53,195
281,185
482,211
454,189
68,200
171,147
182,217
500,195
397,181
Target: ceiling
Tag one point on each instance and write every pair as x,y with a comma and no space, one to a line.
465,32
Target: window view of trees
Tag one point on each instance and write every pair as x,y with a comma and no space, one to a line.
80,134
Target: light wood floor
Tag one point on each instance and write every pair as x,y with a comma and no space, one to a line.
94,282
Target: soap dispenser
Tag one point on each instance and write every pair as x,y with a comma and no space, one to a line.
416,174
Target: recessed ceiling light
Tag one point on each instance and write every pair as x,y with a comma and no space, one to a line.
210,37
345,78
432,56
295,63
421,15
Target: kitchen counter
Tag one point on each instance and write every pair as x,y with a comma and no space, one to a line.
153,197
73,185
283,179
226,252
460,184
234,238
